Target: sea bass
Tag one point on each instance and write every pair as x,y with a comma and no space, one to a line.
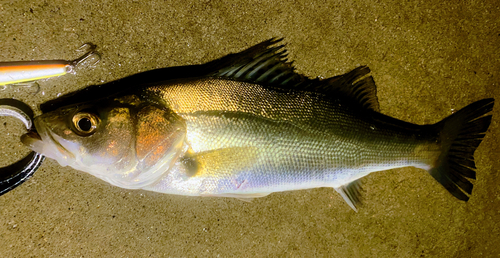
248,125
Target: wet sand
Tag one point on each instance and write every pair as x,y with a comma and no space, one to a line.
428,58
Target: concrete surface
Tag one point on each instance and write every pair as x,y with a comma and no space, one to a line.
428,58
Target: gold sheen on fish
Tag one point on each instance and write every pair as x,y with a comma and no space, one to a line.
247,125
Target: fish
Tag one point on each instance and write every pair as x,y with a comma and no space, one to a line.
26,72
247,125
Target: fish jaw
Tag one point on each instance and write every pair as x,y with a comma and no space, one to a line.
50,145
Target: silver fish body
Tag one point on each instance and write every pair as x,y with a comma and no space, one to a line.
247,125
291,140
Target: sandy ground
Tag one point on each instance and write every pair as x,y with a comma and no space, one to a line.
428,58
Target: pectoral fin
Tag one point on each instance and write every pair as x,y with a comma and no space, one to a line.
220,162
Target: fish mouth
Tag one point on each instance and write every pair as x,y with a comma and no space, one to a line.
43,141
32,135
32,140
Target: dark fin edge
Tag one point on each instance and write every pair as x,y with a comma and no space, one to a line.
263,64
460,135
351,194
356,85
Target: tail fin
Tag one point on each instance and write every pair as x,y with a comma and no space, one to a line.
460,134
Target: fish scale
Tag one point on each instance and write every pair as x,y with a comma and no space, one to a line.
297,149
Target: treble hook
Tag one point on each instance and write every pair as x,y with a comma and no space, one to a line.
90,53
15,174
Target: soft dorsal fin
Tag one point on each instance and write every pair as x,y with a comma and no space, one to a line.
355,85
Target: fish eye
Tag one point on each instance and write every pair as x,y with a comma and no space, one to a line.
85,123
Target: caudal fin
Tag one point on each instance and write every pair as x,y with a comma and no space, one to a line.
460,134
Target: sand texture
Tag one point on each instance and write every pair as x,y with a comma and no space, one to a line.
428,58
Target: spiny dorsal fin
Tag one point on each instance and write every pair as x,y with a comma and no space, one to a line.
262,64
351,194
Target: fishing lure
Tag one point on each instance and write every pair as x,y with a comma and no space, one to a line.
24,73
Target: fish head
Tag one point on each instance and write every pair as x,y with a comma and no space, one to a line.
127,141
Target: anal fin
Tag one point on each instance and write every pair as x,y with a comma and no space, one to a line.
351,194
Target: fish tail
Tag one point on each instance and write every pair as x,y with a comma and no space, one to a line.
459,136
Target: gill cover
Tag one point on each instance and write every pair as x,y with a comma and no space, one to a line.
160,137
157,141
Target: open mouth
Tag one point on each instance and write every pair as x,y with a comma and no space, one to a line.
31,139
44,142
33,134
